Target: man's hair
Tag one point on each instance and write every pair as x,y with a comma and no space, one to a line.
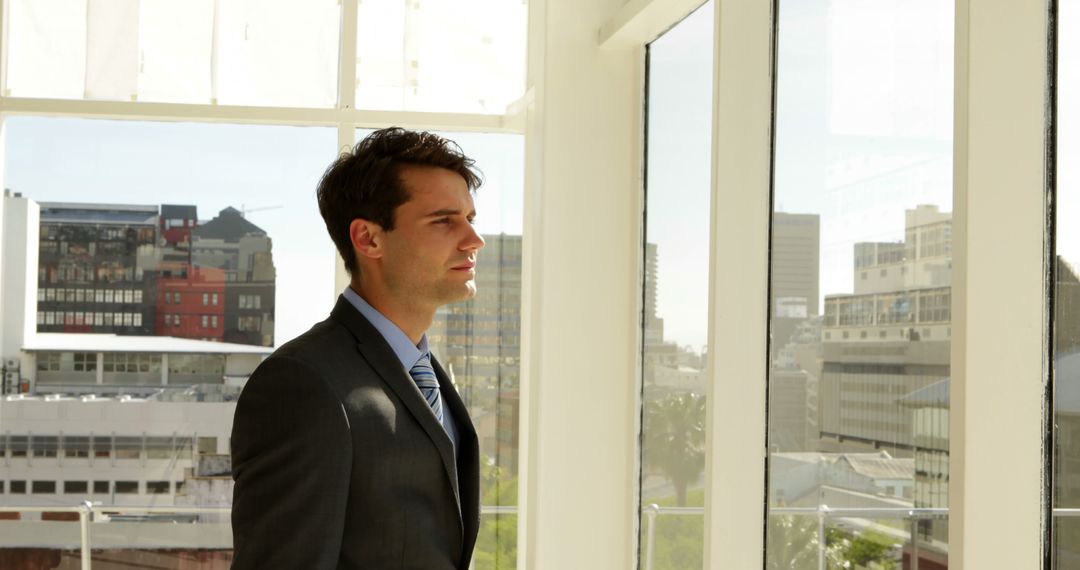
365,181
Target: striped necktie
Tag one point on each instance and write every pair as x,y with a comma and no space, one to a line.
424,376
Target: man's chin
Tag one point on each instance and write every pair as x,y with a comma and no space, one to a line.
462,293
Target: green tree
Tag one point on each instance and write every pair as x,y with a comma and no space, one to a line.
496,543
675,440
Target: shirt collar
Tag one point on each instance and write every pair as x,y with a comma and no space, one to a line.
407,352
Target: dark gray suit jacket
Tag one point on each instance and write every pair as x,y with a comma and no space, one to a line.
340,463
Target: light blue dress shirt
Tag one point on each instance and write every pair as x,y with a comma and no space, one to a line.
407,352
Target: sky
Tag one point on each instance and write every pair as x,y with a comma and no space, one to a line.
214,166
863,132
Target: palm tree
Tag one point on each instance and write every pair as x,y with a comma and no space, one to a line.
675,439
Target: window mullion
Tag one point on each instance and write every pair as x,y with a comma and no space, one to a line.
999,303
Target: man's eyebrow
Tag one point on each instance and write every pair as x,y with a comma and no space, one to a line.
448,212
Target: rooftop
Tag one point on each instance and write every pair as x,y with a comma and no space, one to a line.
92,342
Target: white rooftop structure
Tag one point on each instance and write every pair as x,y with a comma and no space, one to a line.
92,342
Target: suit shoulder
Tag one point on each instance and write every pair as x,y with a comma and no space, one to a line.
317,356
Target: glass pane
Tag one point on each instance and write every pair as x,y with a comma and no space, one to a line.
243,52
46,48
184,217
466,56
1066,554
675,323
170,222
861,284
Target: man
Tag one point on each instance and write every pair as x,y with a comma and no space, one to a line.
351,448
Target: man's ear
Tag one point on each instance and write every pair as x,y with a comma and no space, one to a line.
366,238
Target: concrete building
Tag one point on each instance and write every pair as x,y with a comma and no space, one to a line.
96,268
479,342
96,415
241,251
889,338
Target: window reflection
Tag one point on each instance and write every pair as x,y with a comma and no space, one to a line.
861,284
675,294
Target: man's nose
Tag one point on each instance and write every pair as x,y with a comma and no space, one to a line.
474,240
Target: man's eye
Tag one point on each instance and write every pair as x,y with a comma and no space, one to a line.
472,221
442,221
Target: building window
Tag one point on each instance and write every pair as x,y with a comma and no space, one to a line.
157,487
213,321
18,487
101,487
43,487
214,298
85,361
205,321
127,448
207,445
76,446
248,323
48,361
71,487
176,298
101,446
205,299
127,487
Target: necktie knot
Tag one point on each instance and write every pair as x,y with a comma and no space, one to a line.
424,375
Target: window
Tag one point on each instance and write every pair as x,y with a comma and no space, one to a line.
876,178
207,445
18,487
127,487
205,321
85,361
102,446
213,321
71,487
157,487
127,448
442,42
674,329
44,445
159,448
101,487
43,487
48,361
214,299
205,299
76,446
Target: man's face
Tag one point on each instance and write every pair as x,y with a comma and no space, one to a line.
429,257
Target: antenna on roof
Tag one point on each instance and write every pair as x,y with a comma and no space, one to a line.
244,210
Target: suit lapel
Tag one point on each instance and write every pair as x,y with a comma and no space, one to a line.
382,359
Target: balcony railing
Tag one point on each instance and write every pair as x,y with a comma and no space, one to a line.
90,514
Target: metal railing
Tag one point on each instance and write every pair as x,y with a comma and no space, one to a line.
823,514
87,511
